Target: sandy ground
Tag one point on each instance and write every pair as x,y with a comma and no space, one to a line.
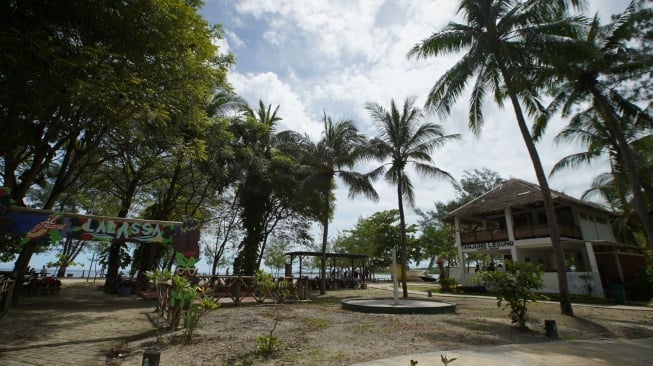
319,332
316,332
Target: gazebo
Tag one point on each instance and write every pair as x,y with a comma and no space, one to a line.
333,256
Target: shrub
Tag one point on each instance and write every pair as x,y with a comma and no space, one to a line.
263,285
448,284
514,287
267,344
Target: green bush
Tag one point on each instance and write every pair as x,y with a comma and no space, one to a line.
448,284
267,345
263,285
641,287
514,286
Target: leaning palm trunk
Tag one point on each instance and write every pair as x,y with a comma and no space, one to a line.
626,157
552,219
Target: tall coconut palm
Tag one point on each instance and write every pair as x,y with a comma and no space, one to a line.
406,142
334,155
502,40
256,135
588,76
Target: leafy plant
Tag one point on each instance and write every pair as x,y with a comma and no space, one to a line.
184,262
189,301
267,344
448,284
263,284
445,361
162,282
193,313
514,286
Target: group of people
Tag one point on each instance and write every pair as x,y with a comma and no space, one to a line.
32,271
340,274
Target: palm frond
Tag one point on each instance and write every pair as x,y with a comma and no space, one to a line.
407,190
574,161
359,184
453,38
431,171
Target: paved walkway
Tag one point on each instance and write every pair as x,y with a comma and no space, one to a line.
600,352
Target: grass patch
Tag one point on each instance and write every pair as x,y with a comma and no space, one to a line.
318,323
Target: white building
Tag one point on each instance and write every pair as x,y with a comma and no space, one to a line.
509,222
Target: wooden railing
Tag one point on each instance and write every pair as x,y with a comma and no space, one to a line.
542,231
240,288
484,236
7,283
521,232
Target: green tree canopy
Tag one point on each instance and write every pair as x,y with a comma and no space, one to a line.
376,236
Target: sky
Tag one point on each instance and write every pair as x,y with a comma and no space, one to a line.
311,57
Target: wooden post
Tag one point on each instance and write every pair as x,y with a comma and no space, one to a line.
151,358
551,328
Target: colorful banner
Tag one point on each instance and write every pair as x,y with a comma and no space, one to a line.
36,224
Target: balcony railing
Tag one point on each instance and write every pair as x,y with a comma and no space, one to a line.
484,236
521,232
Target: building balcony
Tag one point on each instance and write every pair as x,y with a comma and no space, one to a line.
521,232
484,236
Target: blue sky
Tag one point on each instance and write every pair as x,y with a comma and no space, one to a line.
335,56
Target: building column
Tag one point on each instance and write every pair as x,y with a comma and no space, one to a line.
616,259
594,269
511,234
461,255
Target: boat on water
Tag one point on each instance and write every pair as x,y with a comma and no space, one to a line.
418,275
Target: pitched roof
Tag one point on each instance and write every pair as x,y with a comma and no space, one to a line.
514,193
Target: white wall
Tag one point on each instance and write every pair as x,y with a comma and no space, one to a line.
576,281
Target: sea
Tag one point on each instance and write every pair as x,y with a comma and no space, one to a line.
70,273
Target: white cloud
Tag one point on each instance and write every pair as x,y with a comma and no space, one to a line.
337,55
271,90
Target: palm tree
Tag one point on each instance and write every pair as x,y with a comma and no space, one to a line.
590,130
503,39
256,135
335,154
588,76
406,142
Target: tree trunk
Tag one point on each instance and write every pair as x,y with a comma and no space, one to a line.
61,271
113,267
325,238
20,267
552,219
628,161
402,230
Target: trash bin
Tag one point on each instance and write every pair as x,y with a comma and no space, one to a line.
618,293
